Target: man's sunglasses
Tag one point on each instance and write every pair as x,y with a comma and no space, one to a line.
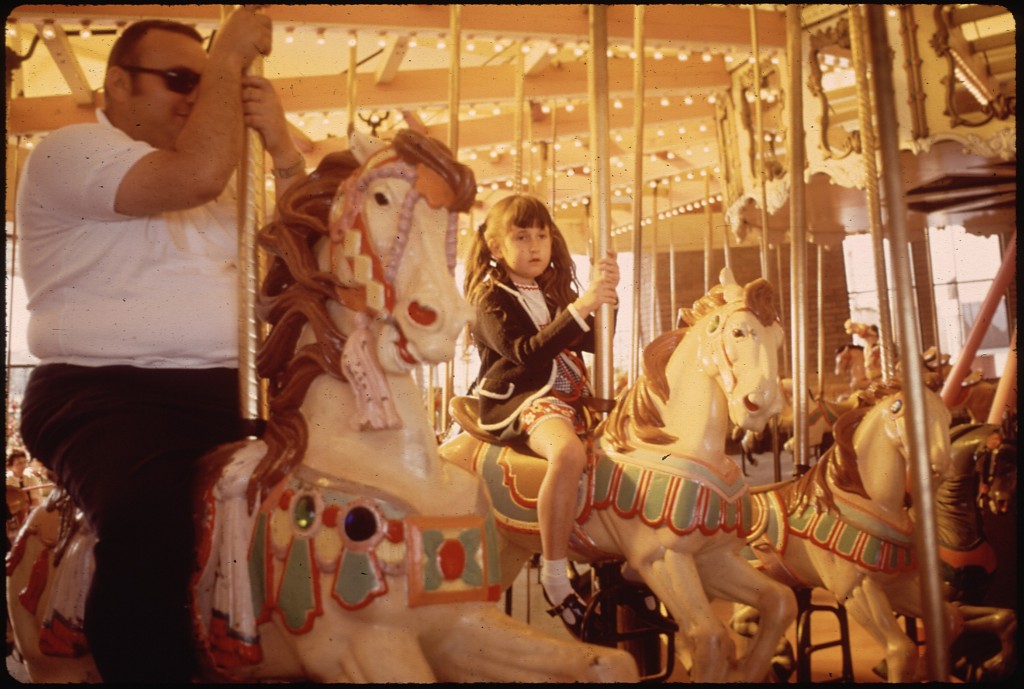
180,80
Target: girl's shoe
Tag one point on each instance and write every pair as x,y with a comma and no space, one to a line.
570,611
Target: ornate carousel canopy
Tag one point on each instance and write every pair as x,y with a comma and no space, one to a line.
696,148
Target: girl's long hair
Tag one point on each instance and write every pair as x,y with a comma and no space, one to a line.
558,281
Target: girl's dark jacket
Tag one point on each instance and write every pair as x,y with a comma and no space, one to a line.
517,361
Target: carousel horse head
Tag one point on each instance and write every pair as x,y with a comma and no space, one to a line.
740,337
359,285
392,229
729,347
871,455
364,250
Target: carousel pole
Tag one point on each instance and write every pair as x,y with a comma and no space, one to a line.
597,78
454,95
351,87
762,174
869,151
937,649
931,301
999,285
726,201
552,152
759,126
671,260
654,265
638,183
821,321
517,123
251,217
12,268
708,245
798,239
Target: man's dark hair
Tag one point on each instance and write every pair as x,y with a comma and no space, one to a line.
123,51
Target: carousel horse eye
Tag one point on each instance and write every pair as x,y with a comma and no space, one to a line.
896,407
737,333
360,524
380,199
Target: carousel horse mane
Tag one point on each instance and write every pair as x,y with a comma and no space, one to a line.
636,404
296,291
839,463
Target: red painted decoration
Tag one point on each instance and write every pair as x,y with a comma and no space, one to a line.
452,559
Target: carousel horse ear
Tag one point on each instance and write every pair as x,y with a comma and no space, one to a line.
731,289
363,146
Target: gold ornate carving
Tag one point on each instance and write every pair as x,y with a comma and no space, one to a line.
970,101
829,48
771,110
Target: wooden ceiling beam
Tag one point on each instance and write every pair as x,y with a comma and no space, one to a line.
697,26
64,57
394,55
406,92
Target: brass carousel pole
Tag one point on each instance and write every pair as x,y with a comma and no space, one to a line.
759,126
671,259
798,240
454,95
762,174
869,151
931,300
597,79
654,264
726,201
517,123
638,184
351,87
926,542
553,153
708,244
821,320
251,217
12,268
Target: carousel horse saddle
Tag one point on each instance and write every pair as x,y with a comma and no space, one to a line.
514,473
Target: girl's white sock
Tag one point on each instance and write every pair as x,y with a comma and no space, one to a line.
554,577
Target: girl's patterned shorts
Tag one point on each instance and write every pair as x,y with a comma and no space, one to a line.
548,408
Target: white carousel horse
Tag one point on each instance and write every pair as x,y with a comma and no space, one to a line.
662,494
339,547
845,526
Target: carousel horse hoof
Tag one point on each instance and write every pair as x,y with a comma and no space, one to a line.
573,605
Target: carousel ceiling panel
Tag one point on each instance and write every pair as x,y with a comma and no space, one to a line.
401,61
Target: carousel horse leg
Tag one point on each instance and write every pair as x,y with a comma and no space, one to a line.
734,579
870,607
675,580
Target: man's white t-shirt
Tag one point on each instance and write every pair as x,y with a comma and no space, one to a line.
106,288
